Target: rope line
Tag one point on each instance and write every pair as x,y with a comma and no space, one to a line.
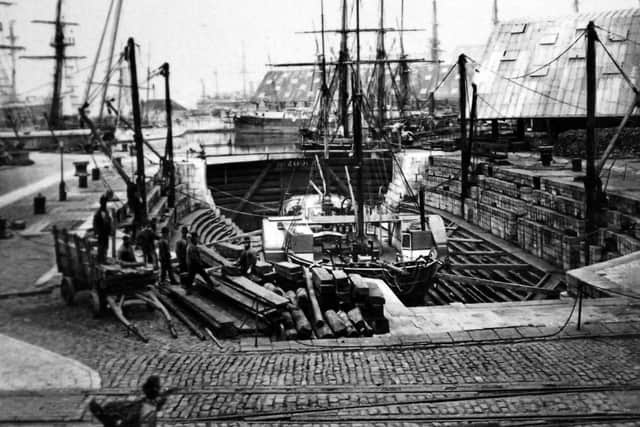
509,79
552,60
624,75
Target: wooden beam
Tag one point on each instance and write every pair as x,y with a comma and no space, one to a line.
463,240
477,266
344,189
494,283
251,191
472,253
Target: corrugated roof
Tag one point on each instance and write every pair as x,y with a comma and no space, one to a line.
302,84
513,84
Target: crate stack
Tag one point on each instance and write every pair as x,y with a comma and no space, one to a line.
543,215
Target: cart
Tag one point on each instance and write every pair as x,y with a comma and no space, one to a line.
111,286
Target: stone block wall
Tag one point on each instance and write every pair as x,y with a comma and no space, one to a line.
542,215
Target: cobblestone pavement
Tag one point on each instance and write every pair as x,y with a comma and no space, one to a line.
308,385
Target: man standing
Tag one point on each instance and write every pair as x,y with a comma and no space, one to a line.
146,240
195,264
102,228
126,255
247,258
166,269
181,249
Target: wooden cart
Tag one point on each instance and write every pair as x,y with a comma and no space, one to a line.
111,286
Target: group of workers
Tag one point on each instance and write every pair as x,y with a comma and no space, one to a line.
156,250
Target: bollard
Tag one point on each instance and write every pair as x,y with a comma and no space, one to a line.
95,174
124,147
39,204
81,168
83,181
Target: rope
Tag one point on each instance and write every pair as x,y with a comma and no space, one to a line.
446,76
624,38
526,87
624,75
553,60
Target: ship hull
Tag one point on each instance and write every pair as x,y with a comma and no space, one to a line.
260,124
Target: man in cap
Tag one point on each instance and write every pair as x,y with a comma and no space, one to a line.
102,228
195,264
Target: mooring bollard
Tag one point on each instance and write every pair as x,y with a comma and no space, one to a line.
39,204
95,174
83,181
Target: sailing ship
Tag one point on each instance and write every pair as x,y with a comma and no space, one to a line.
324,231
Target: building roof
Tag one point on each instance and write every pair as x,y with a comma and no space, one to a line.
514,82
302,84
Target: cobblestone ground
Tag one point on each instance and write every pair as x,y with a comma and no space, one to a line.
485,383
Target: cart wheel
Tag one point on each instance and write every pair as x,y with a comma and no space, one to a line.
68,291
98,303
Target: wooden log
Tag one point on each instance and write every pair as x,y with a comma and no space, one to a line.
289,325
250,287
193,328
318,321
324,332
301,323
351,329
218,321
335,323
302,299
363,328
291,296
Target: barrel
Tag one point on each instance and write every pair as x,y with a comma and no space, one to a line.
39,204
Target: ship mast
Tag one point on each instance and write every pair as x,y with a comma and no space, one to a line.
12,48
403,68
60,45
381,56
343,74
324,91
357,136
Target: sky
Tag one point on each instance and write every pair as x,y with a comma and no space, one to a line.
201,37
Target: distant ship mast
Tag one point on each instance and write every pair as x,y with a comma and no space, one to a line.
60,44
12,48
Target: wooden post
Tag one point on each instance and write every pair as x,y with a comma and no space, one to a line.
592,183
465,159
168,155
137,130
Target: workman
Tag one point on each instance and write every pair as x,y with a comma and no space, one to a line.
181,249
164,252
102,228
195,264
125,251
146,241
141,412
248,259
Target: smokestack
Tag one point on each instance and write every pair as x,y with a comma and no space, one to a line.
576,6
495,19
